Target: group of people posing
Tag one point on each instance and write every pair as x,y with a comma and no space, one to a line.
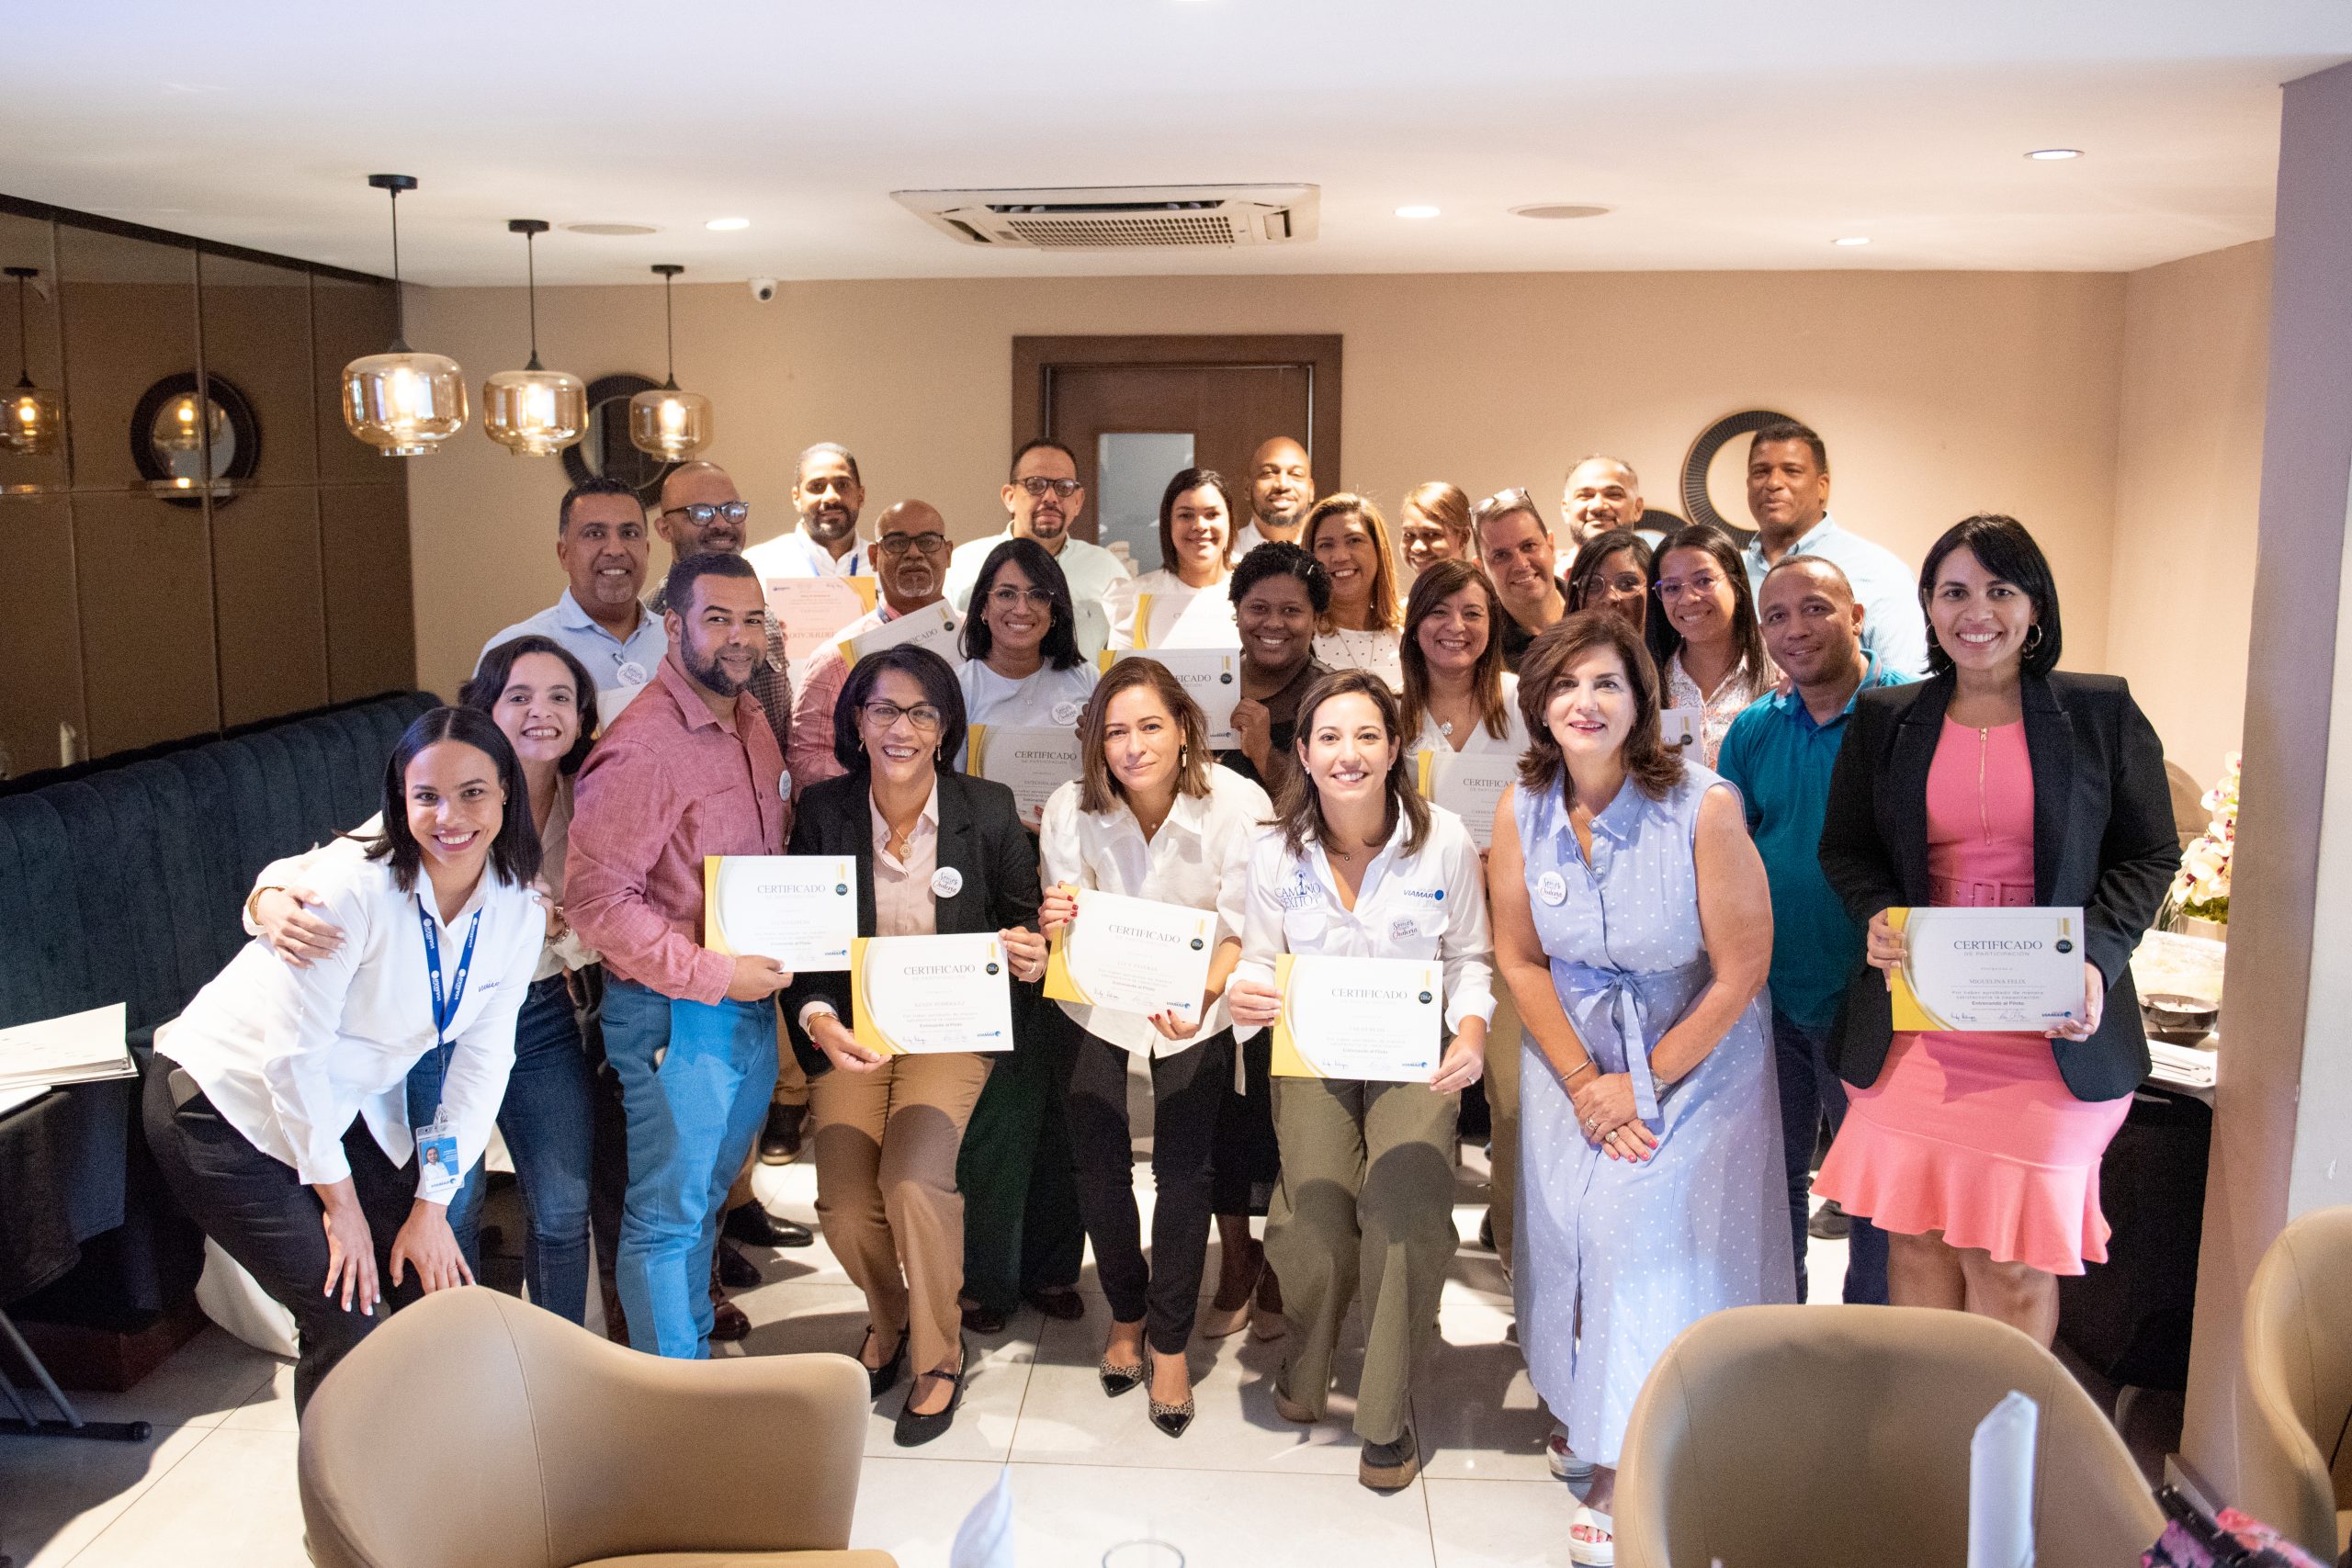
1662,958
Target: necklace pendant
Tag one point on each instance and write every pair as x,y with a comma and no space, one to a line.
1445,726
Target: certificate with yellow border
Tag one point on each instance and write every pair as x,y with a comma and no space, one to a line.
935,626
1135,955
1993,970
1210,676
1470,785
1373,1019
800,910
920,995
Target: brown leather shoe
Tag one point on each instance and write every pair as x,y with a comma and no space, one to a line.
1057,1302
728,1322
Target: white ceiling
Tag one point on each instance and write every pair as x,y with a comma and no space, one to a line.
1723,134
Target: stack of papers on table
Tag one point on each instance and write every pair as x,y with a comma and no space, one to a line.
81,1047
2191,1066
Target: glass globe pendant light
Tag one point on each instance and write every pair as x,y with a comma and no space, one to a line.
671,425
32,419
534,412
401,401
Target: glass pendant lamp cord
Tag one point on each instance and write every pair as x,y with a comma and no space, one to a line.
670,334
531,270
400,305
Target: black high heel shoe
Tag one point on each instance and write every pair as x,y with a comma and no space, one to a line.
1172,1419
1117,1379
880,1380
913,1430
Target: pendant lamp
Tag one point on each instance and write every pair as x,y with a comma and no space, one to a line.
32,420
534,412
404,403
671,425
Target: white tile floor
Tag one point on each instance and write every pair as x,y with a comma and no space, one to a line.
214,1487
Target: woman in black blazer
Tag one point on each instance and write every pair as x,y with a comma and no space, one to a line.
938,853
1997,781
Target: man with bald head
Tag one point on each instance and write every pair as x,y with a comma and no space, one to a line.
827,494
910,555
1602,493
1779,754
1042,499
1281,487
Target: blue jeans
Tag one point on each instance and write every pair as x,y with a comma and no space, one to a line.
695,1079
546,1117
1809,1090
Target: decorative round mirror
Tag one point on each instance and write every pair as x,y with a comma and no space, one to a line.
186,434
605,451
1696,503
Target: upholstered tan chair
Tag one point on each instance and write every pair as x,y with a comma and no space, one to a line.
474,1431
1836,1437
2294,1464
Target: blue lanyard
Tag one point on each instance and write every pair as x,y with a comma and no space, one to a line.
445,1013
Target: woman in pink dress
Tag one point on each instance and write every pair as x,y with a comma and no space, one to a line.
1997,781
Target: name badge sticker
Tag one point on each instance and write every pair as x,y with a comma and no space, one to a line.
947,882
1552,888
1067,711
631,672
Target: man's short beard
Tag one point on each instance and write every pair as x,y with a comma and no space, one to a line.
713,676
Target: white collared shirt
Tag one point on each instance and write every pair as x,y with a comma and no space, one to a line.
614,663
1199,859
796,555
1481,742
288,1056
1250,538
1160,609
1424,906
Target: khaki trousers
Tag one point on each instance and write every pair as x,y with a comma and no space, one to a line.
791,1081
1502,1106
1364,1207
886,1146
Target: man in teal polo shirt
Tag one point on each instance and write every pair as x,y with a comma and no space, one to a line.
1780,753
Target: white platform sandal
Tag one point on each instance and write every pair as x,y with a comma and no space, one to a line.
1597,1547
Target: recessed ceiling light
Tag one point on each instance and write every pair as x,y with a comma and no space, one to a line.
1417,212
723,225
610,228
2054,154
1559,210
1851,239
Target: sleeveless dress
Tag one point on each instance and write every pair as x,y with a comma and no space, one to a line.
1648,1249
1976,1134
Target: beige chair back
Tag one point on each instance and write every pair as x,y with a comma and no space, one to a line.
2294,1462
1836,1437
472,1429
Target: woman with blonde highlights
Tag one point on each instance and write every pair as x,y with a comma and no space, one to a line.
1433,524
1348,538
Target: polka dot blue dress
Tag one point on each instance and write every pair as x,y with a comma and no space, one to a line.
1648,1248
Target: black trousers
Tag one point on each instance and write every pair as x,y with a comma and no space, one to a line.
1188,1090
1248,1160
264,1217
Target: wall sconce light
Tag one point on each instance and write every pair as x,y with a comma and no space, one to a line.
671,425
32,419
534,412
403,402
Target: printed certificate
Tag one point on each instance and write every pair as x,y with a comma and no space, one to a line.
935,626
800,910
1380,1018
1681,727
1212,676
1470,785
811,609
1033,761
1133,955
917,993
2002,970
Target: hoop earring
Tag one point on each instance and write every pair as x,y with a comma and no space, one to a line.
2032,638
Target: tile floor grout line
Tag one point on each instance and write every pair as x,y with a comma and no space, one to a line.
142,1493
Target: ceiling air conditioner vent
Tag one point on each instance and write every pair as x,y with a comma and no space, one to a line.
1119,217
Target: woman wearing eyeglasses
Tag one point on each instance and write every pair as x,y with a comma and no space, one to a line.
1021,665
1183,604
938,853
1612,573
1348,538
1708,645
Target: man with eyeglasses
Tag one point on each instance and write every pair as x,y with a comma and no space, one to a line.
1282,489
910,565
1602,493
690,1033
1043,498
1516,549
827,495
701,513
1788,495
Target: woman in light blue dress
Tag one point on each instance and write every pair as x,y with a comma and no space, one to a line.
1635,929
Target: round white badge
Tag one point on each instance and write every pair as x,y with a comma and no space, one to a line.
784,783
631,672
947,882
1552,888
1067,712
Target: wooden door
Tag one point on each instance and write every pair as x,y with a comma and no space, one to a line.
1135,409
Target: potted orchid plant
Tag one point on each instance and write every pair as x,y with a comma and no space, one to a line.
2198,902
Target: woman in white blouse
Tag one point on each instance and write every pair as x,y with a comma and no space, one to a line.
1359,865
1348,538
1021,661
1709,648
1183,604
1153,817
275,1105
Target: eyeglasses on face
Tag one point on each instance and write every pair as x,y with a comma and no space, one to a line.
703,514
1671,589
896,544
1063,488
1008,597
924,717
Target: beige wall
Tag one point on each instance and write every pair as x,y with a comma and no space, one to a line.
2188,473
1939,393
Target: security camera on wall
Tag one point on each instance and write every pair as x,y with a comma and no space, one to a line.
763,289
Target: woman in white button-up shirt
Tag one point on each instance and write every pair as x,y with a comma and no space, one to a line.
1183,604
1360,866
1153,817
276,1105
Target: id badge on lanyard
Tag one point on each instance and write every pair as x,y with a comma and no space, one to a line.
436,1141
